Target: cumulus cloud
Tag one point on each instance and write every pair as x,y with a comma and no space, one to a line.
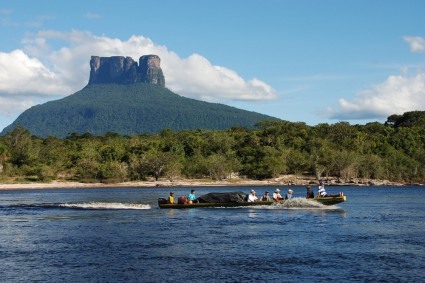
196,77
417,43
398,94
58,62
21,74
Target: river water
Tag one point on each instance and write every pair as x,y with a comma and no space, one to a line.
120,235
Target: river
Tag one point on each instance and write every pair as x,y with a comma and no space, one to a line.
120,235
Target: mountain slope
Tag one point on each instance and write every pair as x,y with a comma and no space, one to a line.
129,109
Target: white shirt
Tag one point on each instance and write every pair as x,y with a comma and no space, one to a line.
277,196
252,198
322,191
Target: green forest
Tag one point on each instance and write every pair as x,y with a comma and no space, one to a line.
129,109
394,150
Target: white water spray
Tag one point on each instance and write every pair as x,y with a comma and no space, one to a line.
302,203
106,205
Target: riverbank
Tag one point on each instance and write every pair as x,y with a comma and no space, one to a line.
287,180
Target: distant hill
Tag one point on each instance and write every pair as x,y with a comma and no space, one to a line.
128,97
129,109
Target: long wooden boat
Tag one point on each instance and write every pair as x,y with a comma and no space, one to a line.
324,201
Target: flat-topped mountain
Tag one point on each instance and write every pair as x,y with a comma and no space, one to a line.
129,98
124,70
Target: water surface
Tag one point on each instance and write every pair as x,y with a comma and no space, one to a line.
120,235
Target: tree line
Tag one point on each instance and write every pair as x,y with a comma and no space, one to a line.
394,150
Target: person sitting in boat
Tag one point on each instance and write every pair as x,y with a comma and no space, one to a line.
289,194
321,192
252,197
171,198
266,196
276,195
310,193
191,197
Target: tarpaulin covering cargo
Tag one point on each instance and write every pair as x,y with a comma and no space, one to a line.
232,197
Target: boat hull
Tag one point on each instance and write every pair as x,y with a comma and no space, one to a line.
324,201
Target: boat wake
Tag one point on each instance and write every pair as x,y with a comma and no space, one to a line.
88,205
302,203
105,205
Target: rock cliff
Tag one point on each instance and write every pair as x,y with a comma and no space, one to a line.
124,70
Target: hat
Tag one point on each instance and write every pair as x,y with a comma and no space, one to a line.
321,183
308,187
267,192
252,191
277,190
290,191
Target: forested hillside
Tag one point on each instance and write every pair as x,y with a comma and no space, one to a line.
393,151
129,109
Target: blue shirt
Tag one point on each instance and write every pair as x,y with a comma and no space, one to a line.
191,197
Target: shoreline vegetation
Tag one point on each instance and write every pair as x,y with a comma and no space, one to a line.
287,180
275,153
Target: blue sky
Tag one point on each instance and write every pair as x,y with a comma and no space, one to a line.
310,61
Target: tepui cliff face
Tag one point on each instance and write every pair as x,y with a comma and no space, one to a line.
124,70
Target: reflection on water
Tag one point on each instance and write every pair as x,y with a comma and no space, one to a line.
170,212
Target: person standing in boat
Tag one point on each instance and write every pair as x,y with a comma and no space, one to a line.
191,197
171,198
276,195
252,197
266,196
310,193
289,194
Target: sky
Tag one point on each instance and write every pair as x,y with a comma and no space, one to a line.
302,61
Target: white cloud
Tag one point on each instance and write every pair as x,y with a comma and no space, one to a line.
417,43
196,77
58,62
21,74
398,94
